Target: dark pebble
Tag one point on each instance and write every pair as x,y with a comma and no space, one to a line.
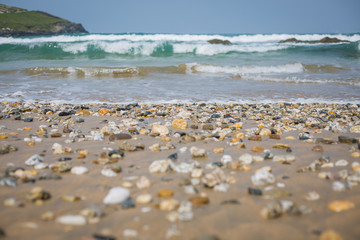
173,156
118,152
64,159
28,119
345,139
103,237
17,118
128,203
209,127
254,191
49,176
119,136
180,133
230,201
217,164
56,135
207,237
62,114
325,159
46,110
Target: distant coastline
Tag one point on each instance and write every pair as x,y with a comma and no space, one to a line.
18,22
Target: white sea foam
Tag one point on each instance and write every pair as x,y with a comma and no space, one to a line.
243,38
246,70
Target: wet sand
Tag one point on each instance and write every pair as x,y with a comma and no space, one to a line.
233,214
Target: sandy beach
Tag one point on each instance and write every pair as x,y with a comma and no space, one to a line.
226,171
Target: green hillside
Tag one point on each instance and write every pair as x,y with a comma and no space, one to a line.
20,22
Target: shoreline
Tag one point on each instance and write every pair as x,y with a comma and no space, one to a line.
301,143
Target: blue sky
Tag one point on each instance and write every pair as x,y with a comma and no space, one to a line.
205,16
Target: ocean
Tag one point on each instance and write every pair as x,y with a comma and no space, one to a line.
180,68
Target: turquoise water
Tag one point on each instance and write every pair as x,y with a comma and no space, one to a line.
159,68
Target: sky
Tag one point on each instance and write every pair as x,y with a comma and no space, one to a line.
204,16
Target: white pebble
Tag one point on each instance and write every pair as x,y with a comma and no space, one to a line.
34,160
116,195
79,170
341,163
75,220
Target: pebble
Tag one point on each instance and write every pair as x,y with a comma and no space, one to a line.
226,159
255,138
355,129
159,166
130,233
265,132
348,140
169,205
73,220
60,167
143,183
330,235
341,163
48,216
34,160
116,195
340,205
284,158
317,148
254,191
246,159
262,177
108,172
199,201
197,152
119,136
79,170
144,198
165,193
312,196
160,129
258,149
179,124
338,186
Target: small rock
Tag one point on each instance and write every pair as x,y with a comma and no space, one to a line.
197,173
330,235
218,150
226,159
208,126
318,148
272,210
255,191
197,152
264,132
262,177
34,160
355,129
179,124
281,146
339,206
143,183
79,170
119,136
312,196
48,216
130,233
159,166
246,159
60,167
128,203
73,220
160,129
108,172
338,186
169,205
341,163
258,149
144,198
199,201
70,198
165,193
255,138
349,140
116,195
36,194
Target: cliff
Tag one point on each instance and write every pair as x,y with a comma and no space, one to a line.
18,22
